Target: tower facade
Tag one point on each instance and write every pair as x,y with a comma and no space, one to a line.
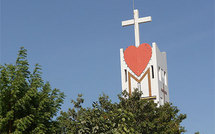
144,67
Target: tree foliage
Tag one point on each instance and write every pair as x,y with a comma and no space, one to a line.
27,104
130,115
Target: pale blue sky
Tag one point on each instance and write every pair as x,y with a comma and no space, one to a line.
77,43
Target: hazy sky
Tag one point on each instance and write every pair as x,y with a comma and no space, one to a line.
77,42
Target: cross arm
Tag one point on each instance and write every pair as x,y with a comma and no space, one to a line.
164,91
127,23
145,19
140,20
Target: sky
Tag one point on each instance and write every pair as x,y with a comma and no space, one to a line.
77,43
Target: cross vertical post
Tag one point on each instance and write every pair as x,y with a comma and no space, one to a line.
136,28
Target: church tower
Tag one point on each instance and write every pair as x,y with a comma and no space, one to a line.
144,66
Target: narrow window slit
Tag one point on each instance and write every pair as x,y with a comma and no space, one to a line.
152,71
125,75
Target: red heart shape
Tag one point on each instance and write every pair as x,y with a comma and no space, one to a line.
137,58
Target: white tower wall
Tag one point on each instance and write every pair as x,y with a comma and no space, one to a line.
154,78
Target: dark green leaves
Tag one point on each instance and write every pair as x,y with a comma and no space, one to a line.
130,115
27,104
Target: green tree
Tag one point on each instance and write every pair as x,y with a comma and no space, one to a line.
130,115
27,104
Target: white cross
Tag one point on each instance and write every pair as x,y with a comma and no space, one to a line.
136,22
